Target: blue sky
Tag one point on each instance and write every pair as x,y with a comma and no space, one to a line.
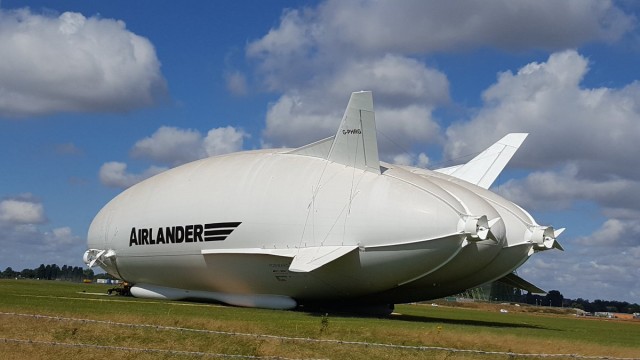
95,96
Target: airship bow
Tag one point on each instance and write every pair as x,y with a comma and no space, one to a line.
324,223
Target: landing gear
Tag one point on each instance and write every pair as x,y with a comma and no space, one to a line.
123,290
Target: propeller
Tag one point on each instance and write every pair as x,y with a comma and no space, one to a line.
557,233
479,228
92,256
93,262
544,238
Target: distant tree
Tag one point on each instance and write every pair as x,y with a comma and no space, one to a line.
65,272
88,274
41,272
534,299
28,273
8,273
55,271
577,305
554,298
623,306
77,273
599,305
586,305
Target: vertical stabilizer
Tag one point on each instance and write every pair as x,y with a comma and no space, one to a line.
355,143
483,169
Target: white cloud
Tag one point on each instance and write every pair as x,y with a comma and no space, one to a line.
450,25
603,263
421,160
398,81
559,189
284,48
175,146
316,76
170,145
73,63
335,30
293,121
614,232
24,246
115,174
405,93
61,237
21,210
316,56
606,273
594,128
236,83
23,241
224,140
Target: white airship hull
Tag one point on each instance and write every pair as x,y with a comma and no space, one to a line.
390,228
326,222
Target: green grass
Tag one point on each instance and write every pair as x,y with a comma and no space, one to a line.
483,329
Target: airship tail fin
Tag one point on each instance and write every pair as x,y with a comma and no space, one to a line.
483,169
355,143
520,283
319,149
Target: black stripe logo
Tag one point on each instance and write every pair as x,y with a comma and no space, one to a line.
219,231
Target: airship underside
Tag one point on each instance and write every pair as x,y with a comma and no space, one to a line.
324,223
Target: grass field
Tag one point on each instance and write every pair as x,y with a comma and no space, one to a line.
77,321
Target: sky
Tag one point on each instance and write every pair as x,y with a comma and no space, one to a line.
97,95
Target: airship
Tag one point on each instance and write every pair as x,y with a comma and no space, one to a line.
326,223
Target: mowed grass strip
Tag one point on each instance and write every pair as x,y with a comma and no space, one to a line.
415,325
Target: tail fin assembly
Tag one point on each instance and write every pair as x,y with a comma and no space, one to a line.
483,169
355,144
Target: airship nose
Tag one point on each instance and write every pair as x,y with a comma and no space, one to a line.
100,251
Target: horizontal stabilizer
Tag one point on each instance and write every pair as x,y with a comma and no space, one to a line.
520,283
309,259
319,149
449,170
304,259
483,169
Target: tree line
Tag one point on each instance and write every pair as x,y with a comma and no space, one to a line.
555,298
50,272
